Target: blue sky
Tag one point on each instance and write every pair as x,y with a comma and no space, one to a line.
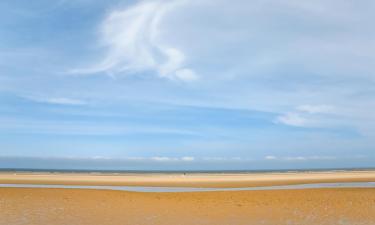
180,84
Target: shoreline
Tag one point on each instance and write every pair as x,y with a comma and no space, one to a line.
213,180
85,206
148,189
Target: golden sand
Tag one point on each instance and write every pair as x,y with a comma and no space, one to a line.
88,207
47,206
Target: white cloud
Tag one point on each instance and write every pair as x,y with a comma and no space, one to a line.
58,100
187,158
65,101
292,119
295,158
186,75
135,158
299,158
304,158
236,158
171,159
132,39
99,157
162,159
306,116
315,108
270,157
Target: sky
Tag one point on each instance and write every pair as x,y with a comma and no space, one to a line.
185,84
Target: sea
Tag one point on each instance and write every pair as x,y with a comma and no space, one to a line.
85,171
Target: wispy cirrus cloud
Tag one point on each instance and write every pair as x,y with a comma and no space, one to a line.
312,109
305,116
132,39
293,119
57,100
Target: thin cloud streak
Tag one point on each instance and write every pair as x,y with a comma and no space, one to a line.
307,116
58,100
300,158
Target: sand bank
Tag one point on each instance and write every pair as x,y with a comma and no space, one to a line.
188,180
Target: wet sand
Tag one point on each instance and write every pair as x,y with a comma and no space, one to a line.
344,206
86,207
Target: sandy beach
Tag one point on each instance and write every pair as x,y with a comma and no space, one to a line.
188,180
78,206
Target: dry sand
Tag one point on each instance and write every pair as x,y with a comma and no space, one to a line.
345,206
90,207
